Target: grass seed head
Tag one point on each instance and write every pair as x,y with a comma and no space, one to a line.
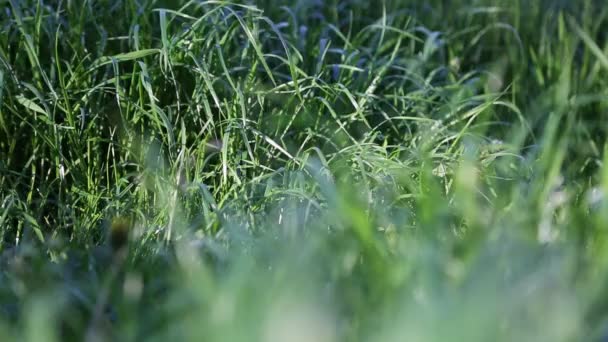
119,233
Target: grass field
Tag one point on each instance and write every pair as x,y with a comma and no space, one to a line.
306,170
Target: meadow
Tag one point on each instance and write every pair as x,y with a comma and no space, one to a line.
304,170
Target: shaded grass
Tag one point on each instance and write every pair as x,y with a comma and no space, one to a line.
337,169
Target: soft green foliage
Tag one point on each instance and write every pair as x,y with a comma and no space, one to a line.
272,170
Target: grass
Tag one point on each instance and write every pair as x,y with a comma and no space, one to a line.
303,170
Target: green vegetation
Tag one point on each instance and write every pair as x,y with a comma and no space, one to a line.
273,170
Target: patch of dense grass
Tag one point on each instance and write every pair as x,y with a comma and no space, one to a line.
303,170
